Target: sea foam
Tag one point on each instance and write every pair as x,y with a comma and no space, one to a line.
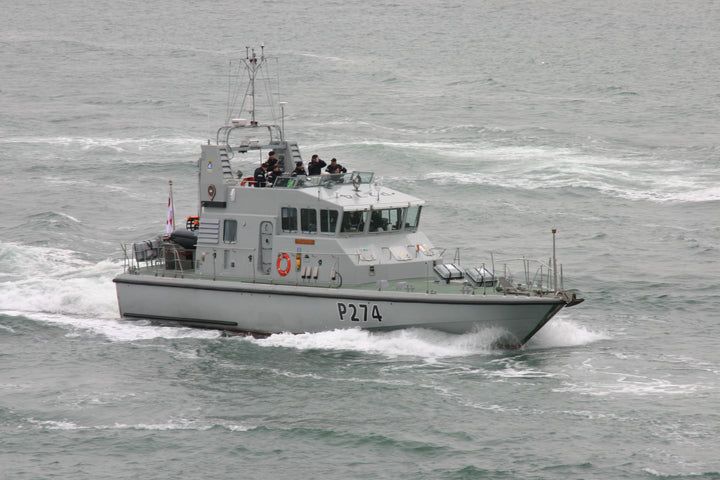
415,342
559,332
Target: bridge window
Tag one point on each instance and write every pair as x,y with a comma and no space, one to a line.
386,220
308,220
289,219
230,231
354,222
328,221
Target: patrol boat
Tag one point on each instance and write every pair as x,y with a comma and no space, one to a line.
316,253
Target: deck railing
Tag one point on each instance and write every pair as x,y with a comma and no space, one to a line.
511,276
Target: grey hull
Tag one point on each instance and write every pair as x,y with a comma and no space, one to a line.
267,309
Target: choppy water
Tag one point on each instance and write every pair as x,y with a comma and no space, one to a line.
509,118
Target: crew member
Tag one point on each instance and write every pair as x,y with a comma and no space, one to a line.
335,167
260,173
272,176
299,169
271,161
316,165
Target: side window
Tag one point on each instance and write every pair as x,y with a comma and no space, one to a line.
308,220
289,219
230,231
328,221
413,217
354,222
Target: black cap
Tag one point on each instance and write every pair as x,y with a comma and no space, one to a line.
333,160
298,164
315,156
272,152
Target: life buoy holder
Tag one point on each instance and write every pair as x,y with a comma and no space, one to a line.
192,223
285,271
250,181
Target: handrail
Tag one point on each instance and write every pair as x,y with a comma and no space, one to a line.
226,130
177,261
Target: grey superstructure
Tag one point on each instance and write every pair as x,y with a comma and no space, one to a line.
314,253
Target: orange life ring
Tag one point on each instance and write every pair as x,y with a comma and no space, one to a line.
282,257
248,180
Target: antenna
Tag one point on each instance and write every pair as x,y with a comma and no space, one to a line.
554,260
282,120
253,67
254,63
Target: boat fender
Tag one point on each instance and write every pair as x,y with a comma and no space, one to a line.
283,271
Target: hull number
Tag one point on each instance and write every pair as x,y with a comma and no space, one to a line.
358,312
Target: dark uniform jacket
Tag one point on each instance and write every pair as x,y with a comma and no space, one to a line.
337,168
260,177
270,164
315,168
272,176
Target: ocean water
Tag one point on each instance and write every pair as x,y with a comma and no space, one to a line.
509,118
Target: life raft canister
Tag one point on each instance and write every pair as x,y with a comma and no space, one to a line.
286,270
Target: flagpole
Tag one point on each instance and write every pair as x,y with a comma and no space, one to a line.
173,204
170,223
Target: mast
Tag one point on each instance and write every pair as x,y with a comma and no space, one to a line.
253,64
253,67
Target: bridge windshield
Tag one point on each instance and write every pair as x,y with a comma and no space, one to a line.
381,220
326,180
